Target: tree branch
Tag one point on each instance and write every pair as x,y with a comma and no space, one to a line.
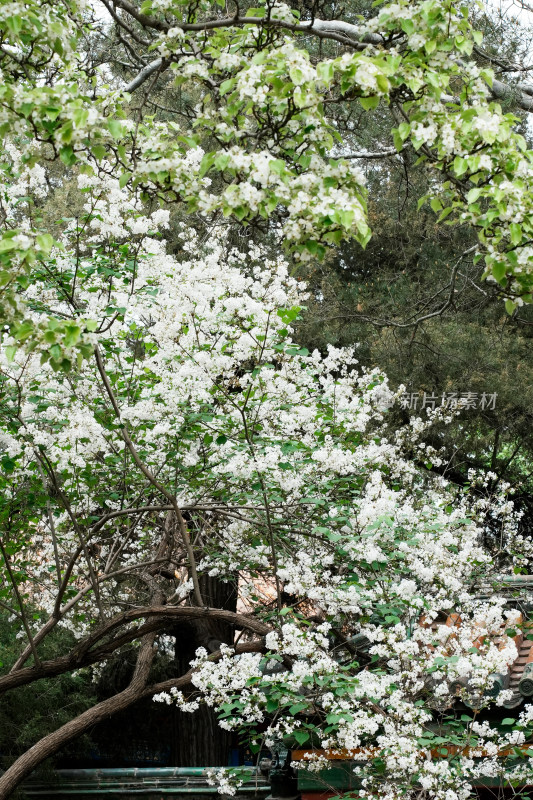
137,690
82,655
338,30
20,603
120,22
153,480
144,74
50,744
377,154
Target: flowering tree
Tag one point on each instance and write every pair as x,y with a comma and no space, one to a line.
201,441
256,141
161,428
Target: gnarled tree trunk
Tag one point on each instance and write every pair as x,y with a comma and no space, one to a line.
198,741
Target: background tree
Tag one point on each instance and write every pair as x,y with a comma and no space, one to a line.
413,303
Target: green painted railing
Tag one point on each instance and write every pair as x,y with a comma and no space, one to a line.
152,782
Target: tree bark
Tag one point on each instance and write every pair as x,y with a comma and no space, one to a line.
136,690
197,740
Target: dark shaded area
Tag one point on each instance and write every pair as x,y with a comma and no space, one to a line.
414,305
150,733
147,733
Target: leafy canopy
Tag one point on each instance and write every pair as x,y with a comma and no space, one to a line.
259,142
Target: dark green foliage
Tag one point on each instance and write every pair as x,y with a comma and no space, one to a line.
412,304
29,713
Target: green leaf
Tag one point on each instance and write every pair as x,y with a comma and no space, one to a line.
226,86
445,213
7,243
397,139
460,165
301,736
408,26
24,330
206,164
473,195
124,178
115,128
516,233
498,271
404,129
98,151
11,351
67,155
277,166
72,335
14,23
297,707
55,352
325,71
272,705
369,103
45,242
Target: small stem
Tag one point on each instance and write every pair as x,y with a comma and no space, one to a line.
51,523
77,528
20,604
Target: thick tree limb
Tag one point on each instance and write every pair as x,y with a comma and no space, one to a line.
83,654
520,98
378,154
142,19
120,22
144,74
137,690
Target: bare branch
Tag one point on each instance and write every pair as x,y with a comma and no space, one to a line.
144,74
521,98
346,33
377,154
50,744
51,522
20,603
111,10
153,480
414,323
